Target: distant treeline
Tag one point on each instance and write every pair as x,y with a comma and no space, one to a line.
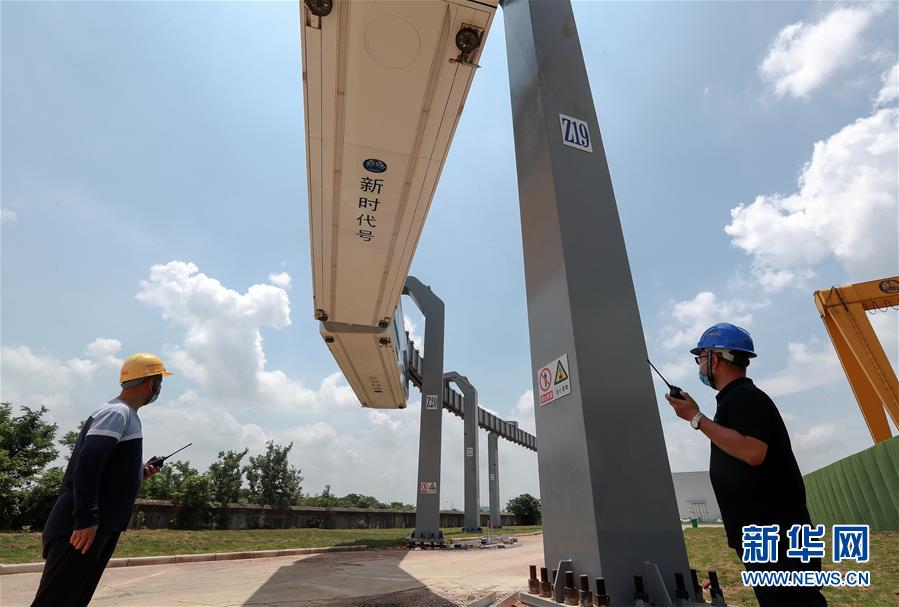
28,488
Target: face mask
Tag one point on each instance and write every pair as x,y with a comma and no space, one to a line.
707,379
155,394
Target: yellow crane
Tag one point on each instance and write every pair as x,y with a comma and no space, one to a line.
872,378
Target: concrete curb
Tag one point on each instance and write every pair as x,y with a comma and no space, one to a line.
188,558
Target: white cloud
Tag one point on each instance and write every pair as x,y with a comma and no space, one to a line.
274,390
845,207
524,410
66,387
103,350
689,318
774,280
27,371
103,346
282,280
828,440
222,349
694,316
815,437
890,90
355,450
336,442
191,418
676,371
803,56
7,216
809,365
411,328
382,419
371,455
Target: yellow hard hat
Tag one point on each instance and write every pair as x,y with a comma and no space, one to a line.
142,365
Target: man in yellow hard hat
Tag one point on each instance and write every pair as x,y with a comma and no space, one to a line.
97,494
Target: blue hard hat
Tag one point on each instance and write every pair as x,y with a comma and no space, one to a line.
725,336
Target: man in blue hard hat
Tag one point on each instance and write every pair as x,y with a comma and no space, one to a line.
752,467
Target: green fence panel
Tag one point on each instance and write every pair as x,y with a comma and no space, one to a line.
860,489
853,492
886,454
817,506
866,489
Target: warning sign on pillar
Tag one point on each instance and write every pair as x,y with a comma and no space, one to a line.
428,488
469,451
554,380
431,402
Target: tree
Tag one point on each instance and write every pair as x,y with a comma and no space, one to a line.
351,500
355,500
198,505
325,500
161,486
70,438
191,490
36,504
272,480
226,476
168,484
26,447
526,509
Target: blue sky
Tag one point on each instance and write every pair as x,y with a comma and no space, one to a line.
153,172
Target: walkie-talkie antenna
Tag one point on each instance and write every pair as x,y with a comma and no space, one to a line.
189,444
160,461
673,391
657,371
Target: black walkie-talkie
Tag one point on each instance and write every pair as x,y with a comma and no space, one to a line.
159,462
673,391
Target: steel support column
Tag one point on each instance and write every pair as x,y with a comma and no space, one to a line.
427,508
605,482
496,520
470,451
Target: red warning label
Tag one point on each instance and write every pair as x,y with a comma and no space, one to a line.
554,380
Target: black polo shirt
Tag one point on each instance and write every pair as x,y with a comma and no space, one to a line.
772,492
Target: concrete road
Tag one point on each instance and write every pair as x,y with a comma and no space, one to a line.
383,578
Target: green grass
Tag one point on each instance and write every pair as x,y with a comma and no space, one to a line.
26,547
706,546
707,549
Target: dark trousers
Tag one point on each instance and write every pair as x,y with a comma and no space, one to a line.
786,596
69,577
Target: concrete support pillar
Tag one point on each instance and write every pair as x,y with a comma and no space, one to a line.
605,482
427,508
470,451
496,520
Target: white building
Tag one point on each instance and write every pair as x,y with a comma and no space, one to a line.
695,497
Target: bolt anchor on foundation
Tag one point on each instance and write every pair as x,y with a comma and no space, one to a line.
585,597
641,599
533,582
601,599
716,592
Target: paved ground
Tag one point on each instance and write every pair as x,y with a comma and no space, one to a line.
374,578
